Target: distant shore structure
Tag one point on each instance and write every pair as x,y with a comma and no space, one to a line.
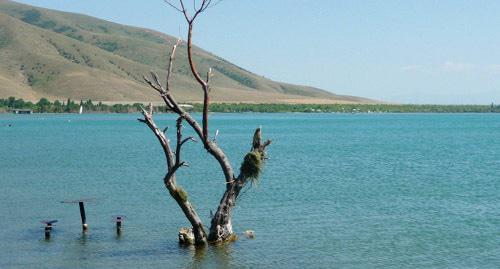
22,111
187,106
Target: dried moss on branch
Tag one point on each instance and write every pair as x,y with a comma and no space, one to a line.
251,166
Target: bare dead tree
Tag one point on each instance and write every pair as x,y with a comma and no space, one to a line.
221,226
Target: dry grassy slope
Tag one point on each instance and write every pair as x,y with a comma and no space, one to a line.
46,53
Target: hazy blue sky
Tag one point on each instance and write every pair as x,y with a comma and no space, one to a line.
401,51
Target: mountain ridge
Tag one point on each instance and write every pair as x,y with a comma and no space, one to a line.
58,55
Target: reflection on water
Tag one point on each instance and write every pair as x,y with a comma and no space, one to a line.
80,249
83,239
198,254
213,256
223,255
119,236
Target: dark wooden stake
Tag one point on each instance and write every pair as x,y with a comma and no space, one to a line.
85,226
48,229
118,225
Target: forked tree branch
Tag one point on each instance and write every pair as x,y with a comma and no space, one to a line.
173,6
257,144
204,84
180,142
204,5
164,142
165,93
173,158
170,64
179,195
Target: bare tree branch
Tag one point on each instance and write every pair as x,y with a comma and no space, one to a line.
157,85
214,4
148,120
216,135
209,75
184,11
179,140
176,192
267,143
188,139
156,80
172,5
190,57
174,169
153,85
206,104
170,64
205,4
204,84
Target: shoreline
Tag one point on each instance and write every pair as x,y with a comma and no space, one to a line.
12,104
160,110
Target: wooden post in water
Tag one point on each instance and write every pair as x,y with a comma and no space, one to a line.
118,225
48,227
80,203
85,226
119,220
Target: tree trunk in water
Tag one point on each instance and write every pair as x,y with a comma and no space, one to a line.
221,228
180,196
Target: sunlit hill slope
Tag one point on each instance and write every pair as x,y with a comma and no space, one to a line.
47,53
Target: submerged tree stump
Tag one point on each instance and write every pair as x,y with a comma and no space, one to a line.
186,236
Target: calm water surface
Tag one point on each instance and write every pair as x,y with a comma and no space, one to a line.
340,191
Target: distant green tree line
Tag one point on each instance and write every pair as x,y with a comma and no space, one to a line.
70,106
349,108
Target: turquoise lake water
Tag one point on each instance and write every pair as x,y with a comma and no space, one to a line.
339,191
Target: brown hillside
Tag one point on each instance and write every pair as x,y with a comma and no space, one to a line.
47,53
